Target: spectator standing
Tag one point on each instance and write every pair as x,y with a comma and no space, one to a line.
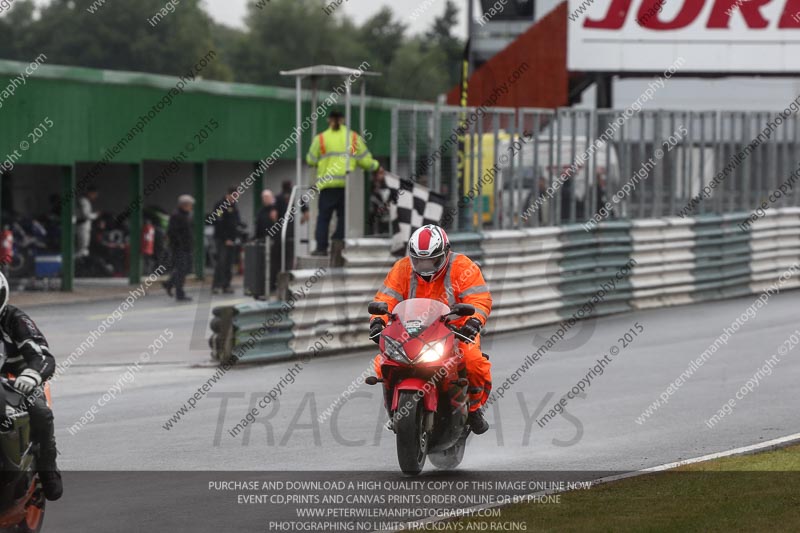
268,225
282,200
283,204
179,233
83,222
226,232
267,216
148,245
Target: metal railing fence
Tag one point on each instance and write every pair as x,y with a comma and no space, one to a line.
503,168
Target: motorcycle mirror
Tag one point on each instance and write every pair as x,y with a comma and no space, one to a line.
378,308
462,310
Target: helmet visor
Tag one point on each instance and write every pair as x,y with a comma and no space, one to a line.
428,266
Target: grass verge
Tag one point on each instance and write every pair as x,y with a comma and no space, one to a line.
758,492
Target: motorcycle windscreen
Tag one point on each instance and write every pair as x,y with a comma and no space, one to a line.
417,314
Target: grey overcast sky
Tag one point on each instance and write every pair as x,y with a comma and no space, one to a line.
231,11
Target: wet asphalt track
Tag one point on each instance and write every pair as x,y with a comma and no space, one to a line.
599,433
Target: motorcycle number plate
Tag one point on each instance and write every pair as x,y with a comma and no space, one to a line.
413,326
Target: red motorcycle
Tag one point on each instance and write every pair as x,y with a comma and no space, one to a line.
424,381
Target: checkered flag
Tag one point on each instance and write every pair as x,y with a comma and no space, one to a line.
411,206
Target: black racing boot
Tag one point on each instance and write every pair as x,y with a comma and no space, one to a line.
47,469
51,483
477,423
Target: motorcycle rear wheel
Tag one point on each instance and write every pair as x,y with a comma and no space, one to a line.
451,457
412,439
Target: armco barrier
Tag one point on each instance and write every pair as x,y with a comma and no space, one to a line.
251,332
545,275
594,260
722,257
774,247
537,276
683,261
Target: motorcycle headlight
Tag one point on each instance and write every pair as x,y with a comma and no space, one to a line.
394,350
433,353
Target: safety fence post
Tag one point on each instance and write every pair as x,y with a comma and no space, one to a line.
67,228
135,247
200,183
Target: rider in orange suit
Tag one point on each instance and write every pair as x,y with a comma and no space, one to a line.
431,270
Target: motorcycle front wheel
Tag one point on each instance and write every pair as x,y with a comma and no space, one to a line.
412,439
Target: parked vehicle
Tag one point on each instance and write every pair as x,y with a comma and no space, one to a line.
30,239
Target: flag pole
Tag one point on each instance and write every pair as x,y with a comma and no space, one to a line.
462,126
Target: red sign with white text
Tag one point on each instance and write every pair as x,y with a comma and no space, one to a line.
709,35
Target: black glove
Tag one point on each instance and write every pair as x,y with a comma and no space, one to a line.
471,328
376,325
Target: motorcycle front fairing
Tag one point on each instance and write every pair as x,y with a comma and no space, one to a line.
415,347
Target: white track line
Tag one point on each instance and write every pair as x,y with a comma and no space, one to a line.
762,446
774,443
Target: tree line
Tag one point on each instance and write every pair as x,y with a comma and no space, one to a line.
279,35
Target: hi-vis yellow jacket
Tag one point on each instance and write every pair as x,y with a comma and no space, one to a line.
327,153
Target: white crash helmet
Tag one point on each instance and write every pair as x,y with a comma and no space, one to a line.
429,251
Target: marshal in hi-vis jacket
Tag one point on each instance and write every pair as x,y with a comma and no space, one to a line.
328,154
462,282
